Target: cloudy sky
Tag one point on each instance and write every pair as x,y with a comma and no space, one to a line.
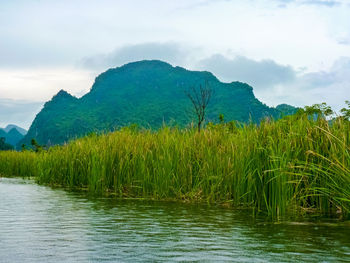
290,51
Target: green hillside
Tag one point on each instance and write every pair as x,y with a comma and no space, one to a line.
147,93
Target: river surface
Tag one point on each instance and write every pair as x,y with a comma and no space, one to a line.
41,224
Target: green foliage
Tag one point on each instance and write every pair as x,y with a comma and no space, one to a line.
319,110
221,118
293,165
346,111
35,145
5,146
147,93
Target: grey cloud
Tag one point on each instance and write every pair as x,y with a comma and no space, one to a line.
260,74
274,83
16,52
338,74
331,86
170,52
317,79
344,41
18,112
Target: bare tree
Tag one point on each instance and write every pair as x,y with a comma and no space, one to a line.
200,98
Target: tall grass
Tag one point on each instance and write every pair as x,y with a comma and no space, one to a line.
291,165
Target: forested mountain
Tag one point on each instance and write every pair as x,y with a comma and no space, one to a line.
149,93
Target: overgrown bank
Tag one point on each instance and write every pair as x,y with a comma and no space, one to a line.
293,164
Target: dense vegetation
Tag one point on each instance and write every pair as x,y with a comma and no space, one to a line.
147,93
4,146
296,164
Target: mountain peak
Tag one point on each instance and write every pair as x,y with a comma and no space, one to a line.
286,109
148,73
13,126
242,85
63,94
61,98
142,63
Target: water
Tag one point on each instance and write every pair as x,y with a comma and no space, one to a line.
41,224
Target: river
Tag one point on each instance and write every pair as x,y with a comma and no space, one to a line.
42,224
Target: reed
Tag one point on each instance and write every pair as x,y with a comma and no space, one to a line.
291,165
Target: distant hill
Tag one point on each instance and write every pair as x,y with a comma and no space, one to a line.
12,134
19,129
148,93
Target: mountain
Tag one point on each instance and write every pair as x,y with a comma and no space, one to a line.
286,109
19,129
12,134
3,134
148,93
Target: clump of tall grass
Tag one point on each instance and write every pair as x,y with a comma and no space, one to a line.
293,164
324,176
14,163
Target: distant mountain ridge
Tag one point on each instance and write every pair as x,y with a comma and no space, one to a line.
13,126
148,93
12,134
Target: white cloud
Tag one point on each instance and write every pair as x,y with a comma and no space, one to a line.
18,112
170,52
42,84
42,42
60,33
23,92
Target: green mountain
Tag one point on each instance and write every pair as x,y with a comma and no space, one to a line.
147,93
286,109
12,134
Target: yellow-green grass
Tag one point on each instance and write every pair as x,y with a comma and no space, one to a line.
291,165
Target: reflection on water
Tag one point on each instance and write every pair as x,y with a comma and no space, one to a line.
40,224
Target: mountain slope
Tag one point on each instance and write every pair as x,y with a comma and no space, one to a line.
149,93
13,136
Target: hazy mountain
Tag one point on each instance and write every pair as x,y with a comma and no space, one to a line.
12,134
19,129
148,93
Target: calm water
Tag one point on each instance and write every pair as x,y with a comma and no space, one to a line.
40,224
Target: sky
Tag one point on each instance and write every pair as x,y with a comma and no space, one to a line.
290,51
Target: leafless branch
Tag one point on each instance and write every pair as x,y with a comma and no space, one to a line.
200,98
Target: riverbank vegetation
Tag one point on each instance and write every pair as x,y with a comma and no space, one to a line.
297,164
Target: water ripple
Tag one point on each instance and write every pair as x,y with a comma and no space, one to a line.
40,224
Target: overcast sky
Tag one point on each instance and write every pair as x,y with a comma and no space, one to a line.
290,51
